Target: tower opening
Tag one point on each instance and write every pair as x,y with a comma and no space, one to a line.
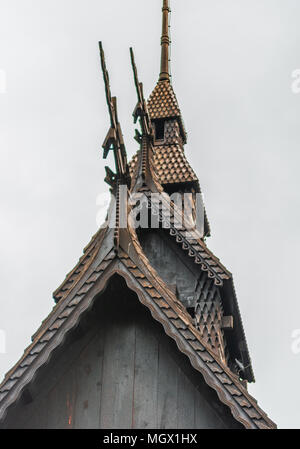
159,129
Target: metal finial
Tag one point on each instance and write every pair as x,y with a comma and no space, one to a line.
165,43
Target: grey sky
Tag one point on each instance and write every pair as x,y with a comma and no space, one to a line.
232,62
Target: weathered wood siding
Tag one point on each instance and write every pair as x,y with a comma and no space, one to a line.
119,370
172,264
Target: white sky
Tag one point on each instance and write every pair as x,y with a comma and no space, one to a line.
232,62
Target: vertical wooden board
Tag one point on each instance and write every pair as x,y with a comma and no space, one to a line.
38,419
61,401
185,278
26,416
167,390
118,370
145,379
62,396
89,382
205,416
167,259
40,414
186,402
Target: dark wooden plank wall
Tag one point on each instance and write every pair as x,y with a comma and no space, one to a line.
119,370
172,264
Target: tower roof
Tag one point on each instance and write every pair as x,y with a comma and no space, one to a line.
162,102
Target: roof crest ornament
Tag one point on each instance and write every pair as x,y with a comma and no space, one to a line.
114,139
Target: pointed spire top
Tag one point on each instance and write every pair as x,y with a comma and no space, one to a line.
165,43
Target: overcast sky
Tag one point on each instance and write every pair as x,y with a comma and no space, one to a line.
232,64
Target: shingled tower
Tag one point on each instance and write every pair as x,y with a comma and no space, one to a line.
146,331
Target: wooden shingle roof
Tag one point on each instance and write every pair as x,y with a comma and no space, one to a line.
164,307
171,165
84,262
162,102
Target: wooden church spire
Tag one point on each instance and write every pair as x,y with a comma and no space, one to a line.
165,43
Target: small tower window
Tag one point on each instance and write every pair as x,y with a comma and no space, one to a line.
159,129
